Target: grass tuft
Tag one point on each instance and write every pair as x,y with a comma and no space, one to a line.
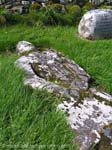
29,119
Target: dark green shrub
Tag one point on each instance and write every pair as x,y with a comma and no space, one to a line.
74,12
68,19
17,17
29,19
35,7
53,16
48,17
65,19
2,11
88,6
12,18
9,17
57,7
2,20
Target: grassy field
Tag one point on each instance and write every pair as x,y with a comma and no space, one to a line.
29,119
94,56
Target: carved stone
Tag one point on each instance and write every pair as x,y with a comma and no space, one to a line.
96,24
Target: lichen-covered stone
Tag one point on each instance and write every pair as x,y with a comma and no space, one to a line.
51,70
96,24
24,47
87,112
87,119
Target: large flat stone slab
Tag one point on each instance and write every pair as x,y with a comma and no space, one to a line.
48,69
89,110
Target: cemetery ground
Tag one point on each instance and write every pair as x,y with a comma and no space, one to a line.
30,118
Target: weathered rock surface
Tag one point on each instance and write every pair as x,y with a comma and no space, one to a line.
87,119
50,70
96,24
87,112
24,46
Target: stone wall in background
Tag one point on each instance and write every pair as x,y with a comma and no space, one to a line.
97,2
16,5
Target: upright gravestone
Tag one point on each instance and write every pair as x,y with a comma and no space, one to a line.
96,24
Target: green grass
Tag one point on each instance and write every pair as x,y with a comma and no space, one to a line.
29,119
94,56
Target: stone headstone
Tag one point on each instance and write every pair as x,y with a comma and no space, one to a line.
96,24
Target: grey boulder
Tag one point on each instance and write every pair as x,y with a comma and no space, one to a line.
24,47
96,24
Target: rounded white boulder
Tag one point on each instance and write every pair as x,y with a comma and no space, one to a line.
24,46
96,24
